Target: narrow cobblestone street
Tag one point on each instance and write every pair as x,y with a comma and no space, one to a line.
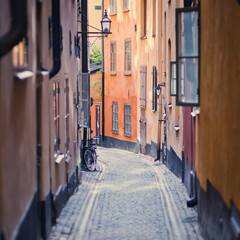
129,197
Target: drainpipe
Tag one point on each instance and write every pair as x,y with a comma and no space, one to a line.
18,26
103,83
84,27
55,38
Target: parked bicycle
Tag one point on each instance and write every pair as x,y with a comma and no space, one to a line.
90,154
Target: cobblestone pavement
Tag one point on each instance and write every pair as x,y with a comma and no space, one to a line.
129,197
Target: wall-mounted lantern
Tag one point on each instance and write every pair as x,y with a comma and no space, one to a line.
105,27
158,88
106,24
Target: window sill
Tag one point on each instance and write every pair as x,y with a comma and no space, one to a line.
23,75
143,37
127,73
169,105
115,132
113,74
127,135
113,14
126,10
154,35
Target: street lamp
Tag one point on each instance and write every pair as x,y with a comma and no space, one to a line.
106,24
158,88
105,27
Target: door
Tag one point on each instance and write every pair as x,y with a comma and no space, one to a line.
143,131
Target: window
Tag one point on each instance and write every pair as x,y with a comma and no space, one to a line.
20,55
125,5
114,117
113,58
154,9
113,7
67,117
154,85
173,79
127,119
188,75
143,80
84,99
127,57
144,19
56,92
70,42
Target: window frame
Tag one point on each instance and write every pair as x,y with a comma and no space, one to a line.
115,120
180,57
113,7
172,79
126,5
56,107
127,71
143,86
144,20
113,56
154,17
20,55
126,124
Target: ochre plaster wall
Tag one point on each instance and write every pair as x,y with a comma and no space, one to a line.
218,150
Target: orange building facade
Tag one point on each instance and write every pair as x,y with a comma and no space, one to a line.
120,92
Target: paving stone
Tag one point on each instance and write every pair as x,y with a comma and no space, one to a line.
128,205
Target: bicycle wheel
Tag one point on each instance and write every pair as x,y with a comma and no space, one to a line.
89,160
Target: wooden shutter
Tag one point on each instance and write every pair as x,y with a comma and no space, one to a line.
143,80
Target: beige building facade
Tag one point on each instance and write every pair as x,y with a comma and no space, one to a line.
39,152
160,120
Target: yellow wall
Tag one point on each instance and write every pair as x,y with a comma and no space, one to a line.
218,149
94,18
